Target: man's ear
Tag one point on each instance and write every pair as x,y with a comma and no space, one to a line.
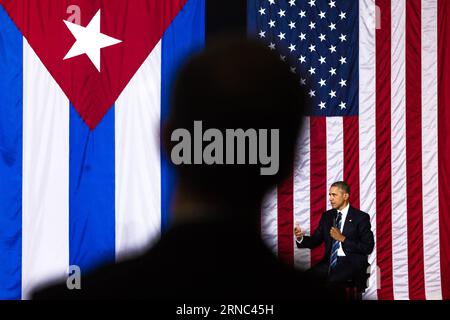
346,196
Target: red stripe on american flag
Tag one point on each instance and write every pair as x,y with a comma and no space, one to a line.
351,157
318,178
285,197
444,142
383,152
413,115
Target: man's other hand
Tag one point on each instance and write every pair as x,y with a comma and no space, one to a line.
298,232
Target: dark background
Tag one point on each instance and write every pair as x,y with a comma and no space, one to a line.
225,16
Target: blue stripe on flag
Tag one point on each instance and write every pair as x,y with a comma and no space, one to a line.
11,46
184,36
91,192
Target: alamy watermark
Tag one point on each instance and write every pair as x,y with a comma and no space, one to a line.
234,146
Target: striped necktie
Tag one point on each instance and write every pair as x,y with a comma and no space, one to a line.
335,243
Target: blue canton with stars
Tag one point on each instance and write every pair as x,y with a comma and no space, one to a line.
319,38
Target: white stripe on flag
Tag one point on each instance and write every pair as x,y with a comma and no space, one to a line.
398,134
269,220
430,185
335,152
302,257
45,215
367,129
138,172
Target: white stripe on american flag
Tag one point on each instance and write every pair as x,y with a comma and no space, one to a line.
269,220
335,152
45,198
431,246
367,125
398,134
302,257
138,193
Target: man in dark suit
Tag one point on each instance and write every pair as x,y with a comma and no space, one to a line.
348,239
213,249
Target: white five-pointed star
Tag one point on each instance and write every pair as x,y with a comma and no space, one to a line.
322,37
322,105
312,3
282,13
333,71
292,25
332,26
322,60
272,24
332,49
271,2
312,25
312,48
302,59
262,11
302,81
343,83
283,58
342,15
322,15
343,60
343,37
89,40
302,36
302,14
292,47
342,105
293,69
262,34
312,70
322,82
292,3
281,35
332,4
312,93
332,94
272,46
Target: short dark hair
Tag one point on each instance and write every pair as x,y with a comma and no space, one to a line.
342,185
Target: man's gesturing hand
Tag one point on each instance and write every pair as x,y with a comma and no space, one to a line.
336,234
298,232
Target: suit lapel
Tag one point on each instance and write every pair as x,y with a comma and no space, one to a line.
349,220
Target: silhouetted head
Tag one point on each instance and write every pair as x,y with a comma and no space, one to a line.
235,84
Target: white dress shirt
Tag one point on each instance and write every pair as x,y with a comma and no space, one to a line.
344,213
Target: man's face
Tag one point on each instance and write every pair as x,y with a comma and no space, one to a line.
338,198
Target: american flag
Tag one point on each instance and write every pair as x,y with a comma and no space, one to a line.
377,74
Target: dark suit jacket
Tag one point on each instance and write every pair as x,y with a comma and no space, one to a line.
204,261
358,244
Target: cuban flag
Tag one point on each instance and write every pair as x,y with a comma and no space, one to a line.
84,86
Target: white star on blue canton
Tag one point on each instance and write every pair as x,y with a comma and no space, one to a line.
281,35
262,34
343,15
272,24
292,25
332,4
323,82
302,14
322,105
343,83
262,11
342,105
322,15
292,3
282,13
302,36
312,3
